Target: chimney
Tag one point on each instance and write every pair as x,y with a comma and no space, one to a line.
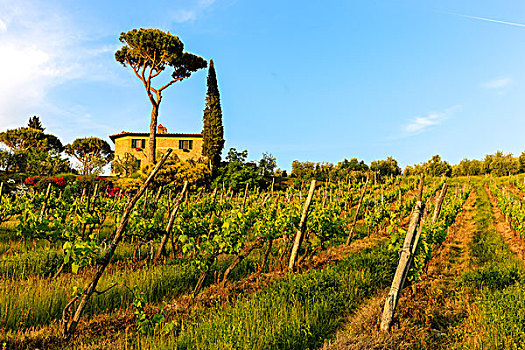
161,129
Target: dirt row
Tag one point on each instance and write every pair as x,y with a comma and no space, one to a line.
513,239
429,309
426,308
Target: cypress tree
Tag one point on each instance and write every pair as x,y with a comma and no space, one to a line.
213,131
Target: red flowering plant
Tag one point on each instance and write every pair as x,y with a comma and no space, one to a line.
32,180
60,181
113,191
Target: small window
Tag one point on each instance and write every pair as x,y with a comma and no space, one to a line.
137,164
186,144
140,143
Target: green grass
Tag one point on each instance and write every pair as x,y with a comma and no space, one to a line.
496,285
298,312
40,301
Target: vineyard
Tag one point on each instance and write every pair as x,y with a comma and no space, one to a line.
407,262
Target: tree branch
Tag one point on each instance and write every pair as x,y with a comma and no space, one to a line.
171,82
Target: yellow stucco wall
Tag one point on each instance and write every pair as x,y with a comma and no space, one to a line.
123,145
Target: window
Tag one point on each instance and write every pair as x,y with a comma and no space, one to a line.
186,144
137,164
138,143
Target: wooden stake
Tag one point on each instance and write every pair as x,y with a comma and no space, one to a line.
167,234
70,327
352,230
244,199
46,197
439,202
302,227
402,270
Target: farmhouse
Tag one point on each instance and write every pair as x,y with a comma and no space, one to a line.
185,146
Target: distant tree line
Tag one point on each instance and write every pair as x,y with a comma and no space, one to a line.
346,170
497,164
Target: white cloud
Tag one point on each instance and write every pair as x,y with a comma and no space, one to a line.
421,124
42,49
497,83
3,26
181,16
191,10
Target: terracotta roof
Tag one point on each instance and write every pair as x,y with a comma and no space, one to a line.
146,134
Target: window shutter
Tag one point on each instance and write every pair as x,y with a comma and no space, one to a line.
143,143
133,143
181,144
190,144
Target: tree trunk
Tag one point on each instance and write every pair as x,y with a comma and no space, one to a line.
152,142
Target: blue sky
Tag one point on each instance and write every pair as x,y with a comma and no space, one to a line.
305,80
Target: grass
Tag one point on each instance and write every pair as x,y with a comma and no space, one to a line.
39,301
497,288
298,312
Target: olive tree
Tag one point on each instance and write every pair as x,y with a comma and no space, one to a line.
149,52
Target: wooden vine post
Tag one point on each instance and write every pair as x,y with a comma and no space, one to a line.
439,202
68,328
44,205
402,269
352,230
302,227
170,223
244,199
407,253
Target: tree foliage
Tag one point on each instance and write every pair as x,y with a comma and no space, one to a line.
30,150
149,52
237,171
175,172
125,165
24,138
387,167
213,131
93,154
346,170
435,166
267,164
34,122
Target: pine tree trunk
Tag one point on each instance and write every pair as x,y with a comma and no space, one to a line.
152,142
